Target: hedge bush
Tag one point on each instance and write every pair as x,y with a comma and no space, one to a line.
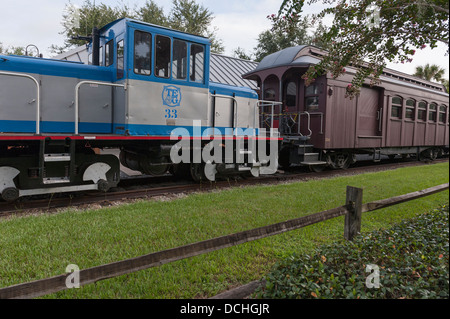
412,259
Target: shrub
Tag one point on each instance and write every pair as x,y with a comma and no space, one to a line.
412,258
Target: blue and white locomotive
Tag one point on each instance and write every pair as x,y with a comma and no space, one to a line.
142,83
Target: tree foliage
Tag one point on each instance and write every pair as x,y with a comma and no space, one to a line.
367,33
190,17
241,54
80,21
185,15
11,50
286,31
152,13
430,72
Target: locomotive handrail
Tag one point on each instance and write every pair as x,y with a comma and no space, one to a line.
77,96
38,96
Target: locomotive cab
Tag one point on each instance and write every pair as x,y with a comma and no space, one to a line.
174,63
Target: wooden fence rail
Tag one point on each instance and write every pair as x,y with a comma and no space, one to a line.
353,210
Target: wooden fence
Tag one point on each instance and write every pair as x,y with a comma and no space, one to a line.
352,209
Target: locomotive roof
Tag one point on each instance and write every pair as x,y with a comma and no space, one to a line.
306,55
229,70
134,21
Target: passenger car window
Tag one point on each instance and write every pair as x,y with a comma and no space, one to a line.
291,94
197,63
142,53
422,115
162,56
432,112
397,104
269,94
410,109
312,98
179,67
442,113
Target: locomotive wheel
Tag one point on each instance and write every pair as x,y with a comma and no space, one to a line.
338,160
198,172
317,168
103,186
181,170
10,194
284,158
153,167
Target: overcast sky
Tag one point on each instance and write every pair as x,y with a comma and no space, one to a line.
239,22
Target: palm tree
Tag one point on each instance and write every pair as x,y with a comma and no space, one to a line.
430,72
446,84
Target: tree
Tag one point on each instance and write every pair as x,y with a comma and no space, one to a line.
152,13
190,17
186,16
367,33
12,50
80,21
430,72
446,85
241,54
287,31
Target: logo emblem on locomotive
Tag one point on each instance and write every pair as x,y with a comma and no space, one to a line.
171,96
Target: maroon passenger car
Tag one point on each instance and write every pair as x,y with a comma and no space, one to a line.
404,115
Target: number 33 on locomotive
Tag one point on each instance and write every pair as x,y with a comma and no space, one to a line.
171,96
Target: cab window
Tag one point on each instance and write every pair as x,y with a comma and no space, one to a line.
142,52
162,56
179,68
101,56
109,53
120,59
197,62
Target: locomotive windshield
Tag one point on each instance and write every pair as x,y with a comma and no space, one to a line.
142,53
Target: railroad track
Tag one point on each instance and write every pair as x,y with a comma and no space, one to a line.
31,206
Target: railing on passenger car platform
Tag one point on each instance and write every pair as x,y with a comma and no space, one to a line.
287,120
263,104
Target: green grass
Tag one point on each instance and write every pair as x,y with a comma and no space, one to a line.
37,247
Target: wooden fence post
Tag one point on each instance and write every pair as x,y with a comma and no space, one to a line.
353,218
